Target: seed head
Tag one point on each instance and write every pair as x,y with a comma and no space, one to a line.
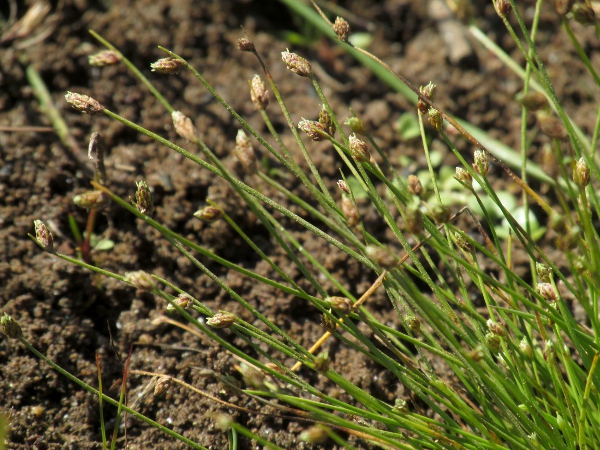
341,304
322,362
547,291
526,348
91,199
83,103
357,125
44,236
296,64
440,213
183,300
317,434
313,129
350,211
543,272
328,323
143,199
327,122
503,7
581,174
464,177
427,92
464,244
342,29
481,163
184,127
496,328
168,65
222,319
245,44
533,101
343,186
162,386
104,58
414,221
11,327
414,324
551,126
381,256
492,341
359,150
414,185
209,214
258,93
252,377
244,151
584,14
563,7
435,119
568,240
141,280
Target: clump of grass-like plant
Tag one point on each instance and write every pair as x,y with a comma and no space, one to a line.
518,370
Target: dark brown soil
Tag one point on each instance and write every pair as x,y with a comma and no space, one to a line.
67,312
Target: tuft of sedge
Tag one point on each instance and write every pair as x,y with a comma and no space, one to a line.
222,319
414,185
503,7
581,174
143,199
91,199
350,211
245,44
322,362
427,92
551,126
184,127
258,93
11,327
526,348
209,214
341,304
104,58
357,125
533,101
327,122
168,66
584,14
244,151
563,7
317,434
464,177
43,236
435,119
381,256
141,280
359,150
252,377
341,29
414,221
83,103
296,64
481,163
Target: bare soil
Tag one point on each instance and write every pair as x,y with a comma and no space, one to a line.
70,314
